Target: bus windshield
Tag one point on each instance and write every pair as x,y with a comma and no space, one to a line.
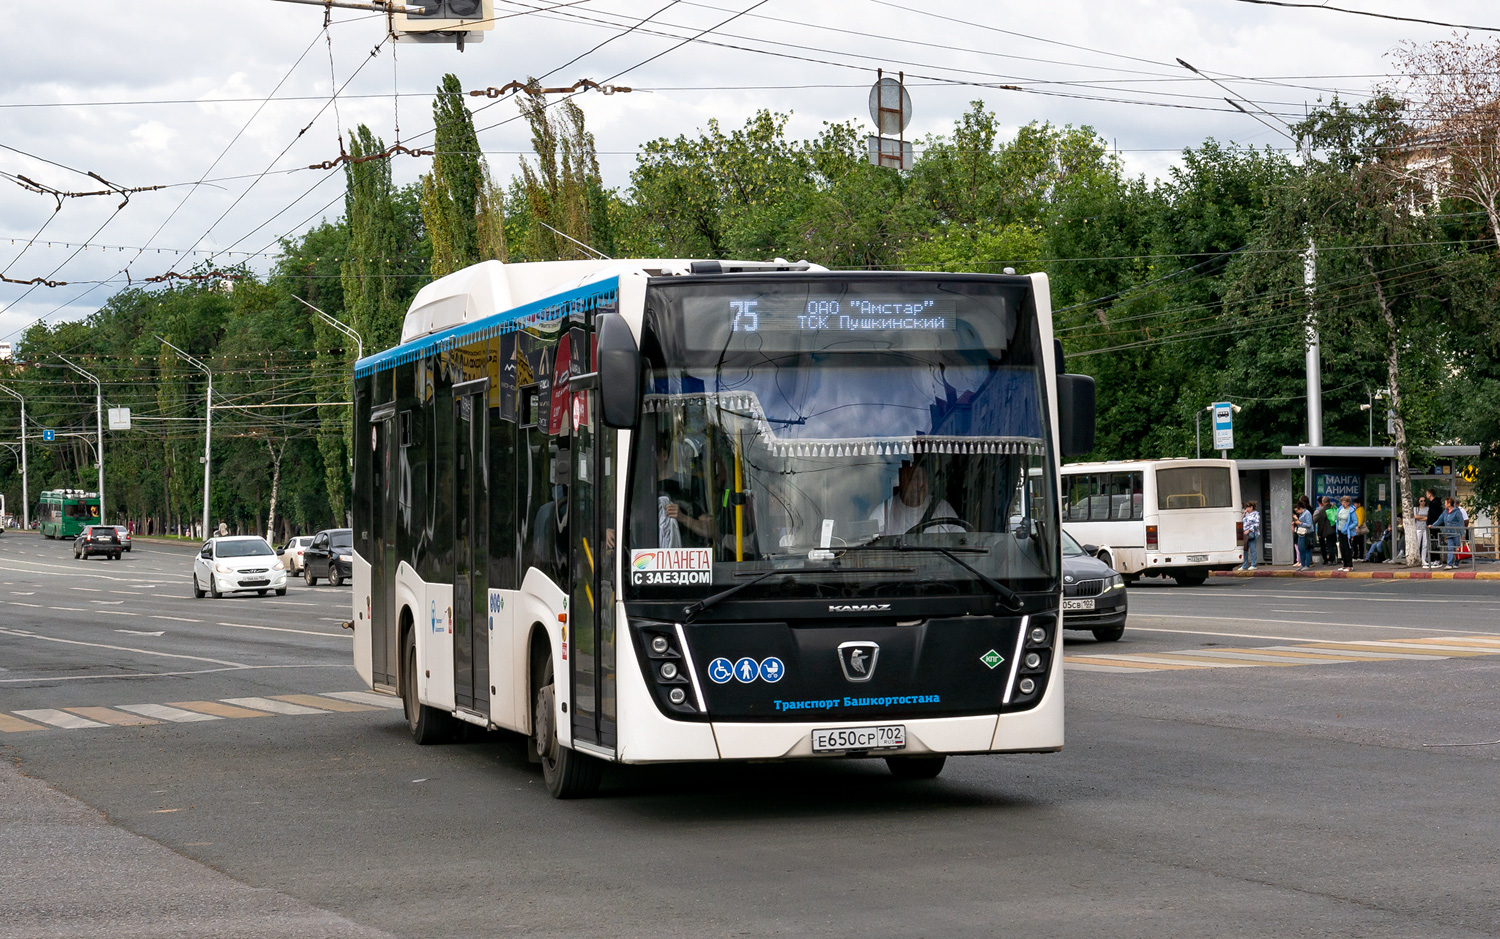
826,427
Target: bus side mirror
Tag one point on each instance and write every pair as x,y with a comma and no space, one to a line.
619,372
1075,414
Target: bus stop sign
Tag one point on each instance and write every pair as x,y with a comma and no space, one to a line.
49,435
1223,425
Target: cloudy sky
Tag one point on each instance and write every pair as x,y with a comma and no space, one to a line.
227,104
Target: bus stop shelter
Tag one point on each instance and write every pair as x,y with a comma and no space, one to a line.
1369,473
1269,484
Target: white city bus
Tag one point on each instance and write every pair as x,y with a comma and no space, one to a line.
656,511
1157,518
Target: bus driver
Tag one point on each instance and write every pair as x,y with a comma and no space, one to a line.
911,509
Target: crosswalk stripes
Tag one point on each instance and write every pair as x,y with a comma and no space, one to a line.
1422,649
273,706
58,718
165,713
366,697
188,712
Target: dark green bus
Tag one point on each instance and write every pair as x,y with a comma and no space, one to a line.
65,512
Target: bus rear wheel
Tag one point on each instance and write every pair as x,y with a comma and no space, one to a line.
1190,578
915,767
567,773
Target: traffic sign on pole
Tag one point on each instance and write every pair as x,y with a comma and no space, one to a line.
49,435
1223,425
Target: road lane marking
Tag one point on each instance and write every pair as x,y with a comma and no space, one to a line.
277,707
319,701
111,716
1123,665
1173,658
58,718
176,619
14,725
108,602
100,645
176,715
34,606
137,632
1289,622
366,697
216,708
283,629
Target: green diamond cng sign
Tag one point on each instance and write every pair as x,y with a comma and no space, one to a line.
992,658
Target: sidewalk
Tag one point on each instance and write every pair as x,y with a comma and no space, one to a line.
1370,571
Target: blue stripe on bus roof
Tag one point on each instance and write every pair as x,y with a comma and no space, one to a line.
601,294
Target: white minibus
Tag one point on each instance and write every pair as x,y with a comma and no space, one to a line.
1157,518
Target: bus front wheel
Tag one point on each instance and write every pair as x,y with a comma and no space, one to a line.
428,724
567,773
915,767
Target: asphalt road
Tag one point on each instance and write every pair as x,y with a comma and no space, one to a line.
1254,758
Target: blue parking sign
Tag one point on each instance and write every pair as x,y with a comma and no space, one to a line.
720,671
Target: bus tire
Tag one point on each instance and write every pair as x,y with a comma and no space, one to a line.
197,590
1190,578
915,767
567,773
1131,579
1109,634
428,725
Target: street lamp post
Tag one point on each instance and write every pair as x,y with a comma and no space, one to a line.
347,331
98,426
25,492
208,424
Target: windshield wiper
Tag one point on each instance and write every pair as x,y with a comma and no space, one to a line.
693,609
1007,596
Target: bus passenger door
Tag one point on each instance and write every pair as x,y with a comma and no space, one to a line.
382,541
592,593
471,655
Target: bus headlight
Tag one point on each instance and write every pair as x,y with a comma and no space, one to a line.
1027,686
669,671
677,696
660,645
1033,660
1038,635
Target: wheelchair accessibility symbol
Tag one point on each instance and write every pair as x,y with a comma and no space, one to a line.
720,671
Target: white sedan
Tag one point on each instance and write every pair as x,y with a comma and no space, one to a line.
238,564
291,553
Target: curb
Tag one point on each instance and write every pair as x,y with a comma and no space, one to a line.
1366,575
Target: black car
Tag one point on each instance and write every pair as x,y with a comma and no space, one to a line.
330,555
1093,594
97,539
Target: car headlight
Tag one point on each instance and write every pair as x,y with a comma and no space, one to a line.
223,568
1114,582
279,566
346,557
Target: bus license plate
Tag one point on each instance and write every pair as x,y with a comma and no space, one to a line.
880,737
1197,557
1078,604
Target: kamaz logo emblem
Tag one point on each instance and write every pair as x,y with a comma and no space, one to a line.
859,607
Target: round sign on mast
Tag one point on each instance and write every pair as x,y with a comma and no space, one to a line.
890,106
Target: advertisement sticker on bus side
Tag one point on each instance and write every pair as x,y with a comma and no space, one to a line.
671,566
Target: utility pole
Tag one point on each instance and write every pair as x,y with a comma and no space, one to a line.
25,493
99,428
1314,348
208,425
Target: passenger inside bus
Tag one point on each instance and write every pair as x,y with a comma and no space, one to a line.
683,519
